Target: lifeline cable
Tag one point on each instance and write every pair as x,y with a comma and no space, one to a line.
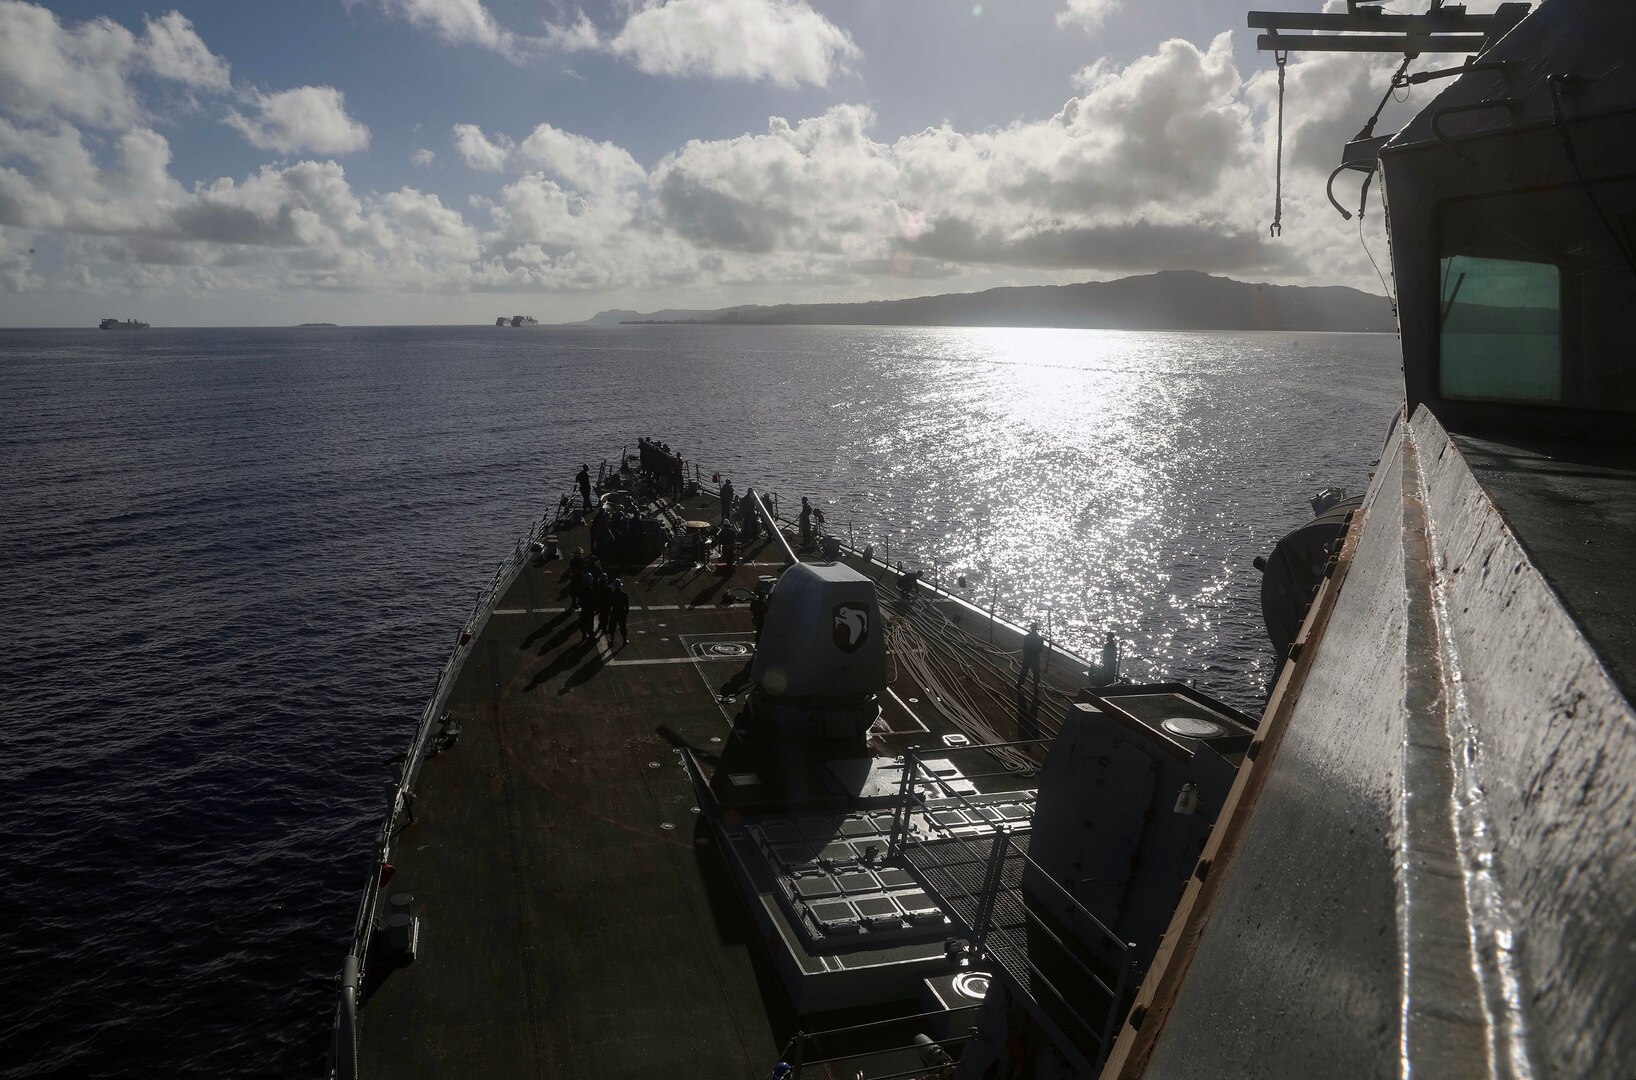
947,673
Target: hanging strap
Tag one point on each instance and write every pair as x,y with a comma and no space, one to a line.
1277,228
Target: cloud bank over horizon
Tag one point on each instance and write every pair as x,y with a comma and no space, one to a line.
1158,162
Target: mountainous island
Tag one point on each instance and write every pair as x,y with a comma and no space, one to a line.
1168,300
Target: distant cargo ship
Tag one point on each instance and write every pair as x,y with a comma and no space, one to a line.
128,324
517,320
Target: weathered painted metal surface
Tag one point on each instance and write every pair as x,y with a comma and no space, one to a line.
1296,972
1439,876
1548,748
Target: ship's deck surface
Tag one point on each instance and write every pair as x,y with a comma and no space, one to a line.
578,920
1573,506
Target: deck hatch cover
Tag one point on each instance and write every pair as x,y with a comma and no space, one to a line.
917,905
834,916
815,887
878,909
857,882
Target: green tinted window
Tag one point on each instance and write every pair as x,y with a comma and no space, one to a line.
1538,301
1501,335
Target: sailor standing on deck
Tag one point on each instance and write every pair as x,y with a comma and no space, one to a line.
601,602
583,479
576,570
619,606
602,534
758,612
727,536
1033,647
726,499
587,607
806,523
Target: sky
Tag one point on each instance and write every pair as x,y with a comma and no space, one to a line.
447,161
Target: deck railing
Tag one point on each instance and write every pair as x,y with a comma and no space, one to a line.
355,972
879,562
806,1050
1013,951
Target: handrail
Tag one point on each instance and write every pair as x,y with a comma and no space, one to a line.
888,1022
999,851
886,1050
910,766
771,523
1510,104
881,561
802,1038
354,971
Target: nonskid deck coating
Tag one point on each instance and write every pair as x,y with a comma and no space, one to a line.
577,918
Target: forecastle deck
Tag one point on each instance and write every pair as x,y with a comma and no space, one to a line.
577,918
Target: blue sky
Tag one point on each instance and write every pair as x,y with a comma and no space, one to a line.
379,161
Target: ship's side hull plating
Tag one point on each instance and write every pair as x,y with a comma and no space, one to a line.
1439,872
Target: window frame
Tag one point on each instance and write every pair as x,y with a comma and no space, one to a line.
1503,413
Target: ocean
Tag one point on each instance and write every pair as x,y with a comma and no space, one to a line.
235,560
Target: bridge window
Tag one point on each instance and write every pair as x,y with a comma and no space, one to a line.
1537,299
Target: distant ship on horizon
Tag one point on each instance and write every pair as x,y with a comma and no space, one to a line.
517,320
115,324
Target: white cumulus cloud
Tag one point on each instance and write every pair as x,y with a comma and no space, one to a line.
784,42
84,71
1087,14
478,151
306,118
16,264
175,51
583,163
459,22
1162,162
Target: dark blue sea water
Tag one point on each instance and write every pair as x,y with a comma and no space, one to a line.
235,559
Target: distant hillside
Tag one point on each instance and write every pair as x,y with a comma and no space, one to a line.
616,316
1169,300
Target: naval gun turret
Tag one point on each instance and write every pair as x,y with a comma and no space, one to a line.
821,661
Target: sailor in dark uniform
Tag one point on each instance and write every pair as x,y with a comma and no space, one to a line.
758,612
1032,648
583,479
601,602
587,607
728,537
619,606
576,570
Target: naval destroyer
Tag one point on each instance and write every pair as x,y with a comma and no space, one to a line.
816,816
